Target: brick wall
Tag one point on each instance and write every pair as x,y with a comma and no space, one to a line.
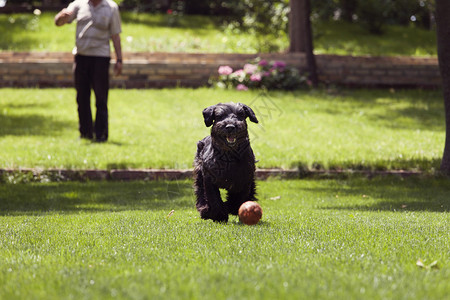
149,70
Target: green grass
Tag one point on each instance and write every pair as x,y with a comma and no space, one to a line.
144,32
140,33
318,239
331,129
349,39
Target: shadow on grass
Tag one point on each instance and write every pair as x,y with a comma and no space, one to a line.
420,164
423,110
19,123
395,40
234,220
32,125
390,193
73,197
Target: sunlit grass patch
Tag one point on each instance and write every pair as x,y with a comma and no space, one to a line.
142,32
331,129
328,239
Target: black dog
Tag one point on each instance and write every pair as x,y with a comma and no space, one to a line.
225,160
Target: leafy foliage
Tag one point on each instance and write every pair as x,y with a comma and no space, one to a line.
374,13
266,20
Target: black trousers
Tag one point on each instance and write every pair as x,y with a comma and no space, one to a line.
92,72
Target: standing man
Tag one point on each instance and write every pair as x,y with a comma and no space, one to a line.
98,21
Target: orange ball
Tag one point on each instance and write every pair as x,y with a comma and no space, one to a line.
250,213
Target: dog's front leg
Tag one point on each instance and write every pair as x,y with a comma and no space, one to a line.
217,210
201,203
236,198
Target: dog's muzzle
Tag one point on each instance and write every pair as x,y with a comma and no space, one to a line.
231,140
231,135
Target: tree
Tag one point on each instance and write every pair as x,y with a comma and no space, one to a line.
443,45
296,28
301,33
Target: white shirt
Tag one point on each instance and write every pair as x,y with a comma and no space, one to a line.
95,26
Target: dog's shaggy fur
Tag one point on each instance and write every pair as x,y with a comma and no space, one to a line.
225,160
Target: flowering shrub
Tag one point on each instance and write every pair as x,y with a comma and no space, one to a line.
261,74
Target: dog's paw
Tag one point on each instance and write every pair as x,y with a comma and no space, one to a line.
206,213
221,218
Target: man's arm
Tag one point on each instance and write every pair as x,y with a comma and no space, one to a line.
63,17
118,49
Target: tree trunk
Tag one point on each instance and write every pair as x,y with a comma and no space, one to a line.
443,45
305,7
348,8
296,27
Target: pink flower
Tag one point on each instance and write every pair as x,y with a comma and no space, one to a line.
279,64
225,70
169,11
263,63
255,77
239,73
250,69
241,87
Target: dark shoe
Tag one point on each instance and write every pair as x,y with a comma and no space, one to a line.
101,139
86,136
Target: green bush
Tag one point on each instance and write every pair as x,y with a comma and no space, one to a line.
266,20
373,14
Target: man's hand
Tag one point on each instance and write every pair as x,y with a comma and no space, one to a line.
63,17
118,48
118,68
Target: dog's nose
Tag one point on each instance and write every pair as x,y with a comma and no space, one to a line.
230,127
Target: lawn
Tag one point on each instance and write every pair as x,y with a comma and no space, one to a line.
318,239
152,33
318,129
343,238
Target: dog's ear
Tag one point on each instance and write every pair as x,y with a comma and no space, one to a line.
208,115
250,114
